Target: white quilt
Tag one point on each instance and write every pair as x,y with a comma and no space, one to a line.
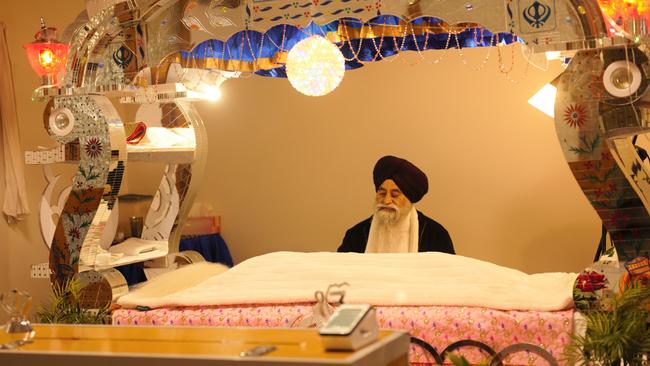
378,279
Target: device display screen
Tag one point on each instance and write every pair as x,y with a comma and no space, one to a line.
345,318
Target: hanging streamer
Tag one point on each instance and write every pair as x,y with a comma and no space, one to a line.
383,36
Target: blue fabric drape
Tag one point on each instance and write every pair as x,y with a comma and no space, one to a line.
261,48
212,247
133,273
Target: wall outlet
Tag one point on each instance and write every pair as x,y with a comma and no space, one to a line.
41,270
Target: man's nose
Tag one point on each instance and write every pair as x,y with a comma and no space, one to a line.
387,200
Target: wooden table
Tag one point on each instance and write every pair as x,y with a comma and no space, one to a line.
96,345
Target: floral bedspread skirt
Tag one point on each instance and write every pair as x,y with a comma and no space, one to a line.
440,326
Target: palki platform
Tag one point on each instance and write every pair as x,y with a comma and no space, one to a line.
100,345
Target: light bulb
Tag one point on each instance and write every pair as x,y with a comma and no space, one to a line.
315,66
46,58
211,93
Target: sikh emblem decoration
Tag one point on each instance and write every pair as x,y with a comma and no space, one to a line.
537,15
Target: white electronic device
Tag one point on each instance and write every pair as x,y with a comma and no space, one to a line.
349,328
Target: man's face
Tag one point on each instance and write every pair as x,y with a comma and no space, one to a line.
390,203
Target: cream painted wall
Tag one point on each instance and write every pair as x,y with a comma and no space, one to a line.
4,257
21,244
289,172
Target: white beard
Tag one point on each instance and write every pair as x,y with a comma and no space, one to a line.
393,231
388,215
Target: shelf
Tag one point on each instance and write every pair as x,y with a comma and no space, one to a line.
179,155
163,250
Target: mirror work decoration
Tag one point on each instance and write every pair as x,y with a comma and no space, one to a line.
155,57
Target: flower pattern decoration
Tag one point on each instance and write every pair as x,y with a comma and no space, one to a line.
93,147
437,325
575,115
74,233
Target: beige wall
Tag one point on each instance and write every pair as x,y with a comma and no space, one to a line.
21,244
290,172
4,245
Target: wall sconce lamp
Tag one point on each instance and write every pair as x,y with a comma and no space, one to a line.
46,54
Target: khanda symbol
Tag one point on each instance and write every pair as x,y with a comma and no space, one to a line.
122,56
537,14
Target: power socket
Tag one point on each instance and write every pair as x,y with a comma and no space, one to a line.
41,270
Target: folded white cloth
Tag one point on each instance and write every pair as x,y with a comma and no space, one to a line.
182,278
378,279
135,246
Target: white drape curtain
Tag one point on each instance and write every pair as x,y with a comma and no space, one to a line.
15,204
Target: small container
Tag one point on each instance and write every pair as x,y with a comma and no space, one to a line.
136,226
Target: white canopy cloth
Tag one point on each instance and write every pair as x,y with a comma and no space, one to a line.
379,279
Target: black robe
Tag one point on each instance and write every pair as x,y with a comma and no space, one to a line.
433,237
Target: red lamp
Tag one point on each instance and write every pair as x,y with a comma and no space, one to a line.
46,54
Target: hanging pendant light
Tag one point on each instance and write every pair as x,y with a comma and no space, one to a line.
315,66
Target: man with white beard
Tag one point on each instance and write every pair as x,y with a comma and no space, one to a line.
396,226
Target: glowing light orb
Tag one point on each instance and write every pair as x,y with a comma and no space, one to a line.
212,94
315,66
46,57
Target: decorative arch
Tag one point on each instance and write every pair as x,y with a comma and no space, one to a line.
143,55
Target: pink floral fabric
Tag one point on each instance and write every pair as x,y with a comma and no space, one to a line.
439,326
